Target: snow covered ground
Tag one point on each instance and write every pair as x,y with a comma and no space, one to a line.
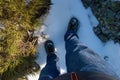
55,27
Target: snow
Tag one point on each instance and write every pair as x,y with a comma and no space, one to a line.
55,27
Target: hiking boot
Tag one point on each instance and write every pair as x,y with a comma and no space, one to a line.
73,25
49,47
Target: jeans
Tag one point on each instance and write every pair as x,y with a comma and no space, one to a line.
51,70
78,58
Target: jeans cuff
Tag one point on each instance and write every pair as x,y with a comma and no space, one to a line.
51,58
69,35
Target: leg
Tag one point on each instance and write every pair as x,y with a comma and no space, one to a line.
51,70
79,57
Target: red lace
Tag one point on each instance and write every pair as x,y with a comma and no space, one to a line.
73,76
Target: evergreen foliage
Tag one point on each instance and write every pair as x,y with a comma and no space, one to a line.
17,46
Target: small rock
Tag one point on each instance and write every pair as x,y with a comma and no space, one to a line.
106,58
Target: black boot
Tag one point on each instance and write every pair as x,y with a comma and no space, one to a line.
73,25
49,47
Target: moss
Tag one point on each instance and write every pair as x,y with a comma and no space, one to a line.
17,46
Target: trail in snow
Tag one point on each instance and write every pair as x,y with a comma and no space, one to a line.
56,25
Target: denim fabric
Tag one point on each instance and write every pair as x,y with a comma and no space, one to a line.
51,70
78,58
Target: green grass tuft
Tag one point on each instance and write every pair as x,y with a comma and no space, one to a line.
17,46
